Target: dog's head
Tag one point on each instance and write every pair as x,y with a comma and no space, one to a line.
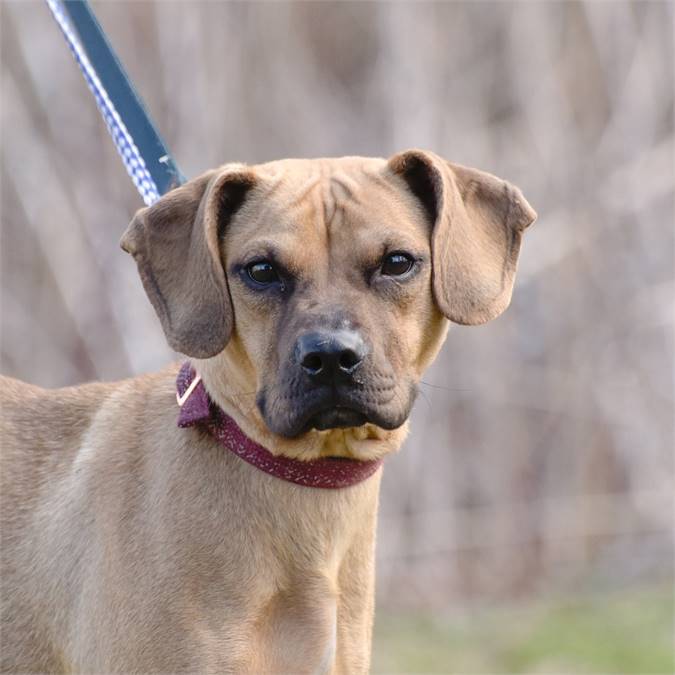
321,289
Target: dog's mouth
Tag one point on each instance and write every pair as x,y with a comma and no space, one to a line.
329,412
338,417
325,408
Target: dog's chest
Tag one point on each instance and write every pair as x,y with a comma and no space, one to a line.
274,611
292,631
261,575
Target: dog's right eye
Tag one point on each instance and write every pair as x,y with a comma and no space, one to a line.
397,264
262,272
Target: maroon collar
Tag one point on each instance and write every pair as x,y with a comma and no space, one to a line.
327,472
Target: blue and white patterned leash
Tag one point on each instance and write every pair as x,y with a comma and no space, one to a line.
127,149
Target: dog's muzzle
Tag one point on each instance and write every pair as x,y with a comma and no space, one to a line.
330,381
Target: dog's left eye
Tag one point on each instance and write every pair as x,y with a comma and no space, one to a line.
397,264
262,272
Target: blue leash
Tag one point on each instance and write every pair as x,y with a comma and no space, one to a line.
146,158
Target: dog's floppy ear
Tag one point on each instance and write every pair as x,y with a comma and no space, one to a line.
175,243
478,220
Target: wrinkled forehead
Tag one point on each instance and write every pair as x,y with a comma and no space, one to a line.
327,205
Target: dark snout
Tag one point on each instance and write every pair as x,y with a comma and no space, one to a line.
331,378
330,357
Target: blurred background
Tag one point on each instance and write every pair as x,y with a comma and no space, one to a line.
527,524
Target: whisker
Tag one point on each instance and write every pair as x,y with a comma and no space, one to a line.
427,400
440,386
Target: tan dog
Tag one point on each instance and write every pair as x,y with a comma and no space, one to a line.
310,296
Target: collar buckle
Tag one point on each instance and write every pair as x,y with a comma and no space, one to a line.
182,398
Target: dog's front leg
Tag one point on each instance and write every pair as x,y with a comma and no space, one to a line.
356,605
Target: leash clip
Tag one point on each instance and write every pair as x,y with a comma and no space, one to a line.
181,399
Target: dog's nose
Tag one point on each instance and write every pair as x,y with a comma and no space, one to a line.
330,356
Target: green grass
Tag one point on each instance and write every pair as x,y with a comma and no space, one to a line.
631,632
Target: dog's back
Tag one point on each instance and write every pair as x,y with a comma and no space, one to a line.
41,430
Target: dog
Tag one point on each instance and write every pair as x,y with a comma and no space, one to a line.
227,523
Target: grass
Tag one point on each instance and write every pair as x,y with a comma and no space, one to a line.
631,632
